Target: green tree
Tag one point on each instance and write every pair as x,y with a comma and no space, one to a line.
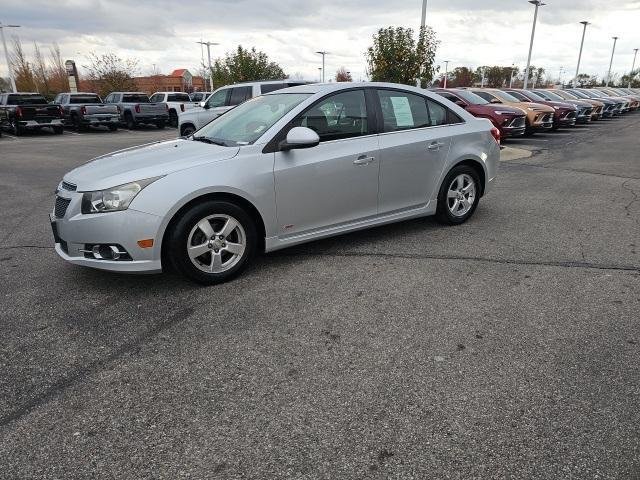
110,73
633,77
343,76
396,57
461,77
244,65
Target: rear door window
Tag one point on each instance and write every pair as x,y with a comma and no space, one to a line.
403,111
239,95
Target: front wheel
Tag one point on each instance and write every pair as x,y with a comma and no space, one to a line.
188,130
459,195
212,242
173,118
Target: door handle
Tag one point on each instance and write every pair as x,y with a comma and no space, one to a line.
363,160
435,146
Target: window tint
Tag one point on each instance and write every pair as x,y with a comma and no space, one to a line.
519,96
158,97
449,96
239,95
219,99
403,111
26,100
437,113
79,99
487,96
135,98
339,116
178,97
272,87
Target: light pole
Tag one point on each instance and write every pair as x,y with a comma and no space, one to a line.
513,69
423,22
484,69
6,55
320,74
446,72
584,32
323,53
538,4
633,67
615,40
208,44
560,75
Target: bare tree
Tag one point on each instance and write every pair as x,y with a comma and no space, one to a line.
58,78
22,71
343,76
108,73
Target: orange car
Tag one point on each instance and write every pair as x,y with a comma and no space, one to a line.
539,117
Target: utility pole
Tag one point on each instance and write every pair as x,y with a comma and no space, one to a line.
633,67
446,72
208,44
513,70
560,76
615,40
6,55
320,74
484,69
423,22
323,54
538,4
584,31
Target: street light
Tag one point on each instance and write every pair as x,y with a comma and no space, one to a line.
423,22
323,54
584,31
633,67
615,40
513,70
446,72
320,74
538,4
208,44
6,55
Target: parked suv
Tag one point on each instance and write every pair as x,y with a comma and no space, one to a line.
177,102
30,111
564,114
586,109
224,99
511,121
539,117
136,108
84,110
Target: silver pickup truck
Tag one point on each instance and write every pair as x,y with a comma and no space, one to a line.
136,108
84,110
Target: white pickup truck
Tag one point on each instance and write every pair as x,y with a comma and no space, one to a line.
177,102
224,99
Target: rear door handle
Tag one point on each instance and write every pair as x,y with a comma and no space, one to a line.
363,160
435,146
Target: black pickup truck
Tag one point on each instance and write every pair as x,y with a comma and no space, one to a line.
31,111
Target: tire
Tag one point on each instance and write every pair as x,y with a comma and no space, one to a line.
17,129
188,130
173,118
113,127
161,124
129,122
79,127
457,210
188,232
58,130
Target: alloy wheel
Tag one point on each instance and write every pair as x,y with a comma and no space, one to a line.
216,243
461,195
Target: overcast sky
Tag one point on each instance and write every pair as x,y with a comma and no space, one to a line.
472,32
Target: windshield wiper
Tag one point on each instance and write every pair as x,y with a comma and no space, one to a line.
210,140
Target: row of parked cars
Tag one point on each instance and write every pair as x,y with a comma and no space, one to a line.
516,112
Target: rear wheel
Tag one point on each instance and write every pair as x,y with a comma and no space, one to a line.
459,195
58,130
17,129
129,122
113,127
161,124
173,118
77,124
188,130
212,242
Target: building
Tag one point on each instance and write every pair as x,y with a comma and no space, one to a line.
180,80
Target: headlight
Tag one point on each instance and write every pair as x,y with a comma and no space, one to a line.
113,199
555,108
503,112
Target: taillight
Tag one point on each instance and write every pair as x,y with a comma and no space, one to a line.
83,110
166,107
137,108
496,135
18,111
61,110
182,107
119,111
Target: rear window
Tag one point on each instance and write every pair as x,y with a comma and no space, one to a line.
26,100
135,98
178,97
78,99
239,95
272,87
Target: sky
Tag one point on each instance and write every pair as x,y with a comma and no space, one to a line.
472,32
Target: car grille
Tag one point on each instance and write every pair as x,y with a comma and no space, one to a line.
570,115
68,186
61,206
518,122
547,118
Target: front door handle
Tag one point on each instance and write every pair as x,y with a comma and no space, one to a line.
435,146
363,160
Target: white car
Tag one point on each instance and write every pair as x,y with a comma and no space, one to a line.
224,99
177,102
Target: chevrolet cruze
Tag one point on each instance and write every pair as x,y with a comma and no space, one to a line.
281,169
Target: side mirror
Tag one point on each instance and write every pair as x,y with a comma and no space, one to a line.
460,103
300,137
204,105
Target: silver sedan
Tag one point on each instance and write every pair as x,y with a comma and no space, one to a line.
285,168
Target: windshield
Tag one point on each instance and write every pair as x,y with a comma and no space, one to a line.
535,97
578,93
505,97
546,94
80,99
244,124
471,97
597,94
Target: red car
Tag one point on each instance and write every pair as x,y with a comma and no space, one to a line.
564,114
511,121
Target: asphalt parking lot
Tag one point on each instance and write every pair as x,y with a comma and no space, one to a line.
508,347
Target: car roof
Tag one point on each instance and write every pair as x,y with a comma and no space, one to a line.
172,92
313,88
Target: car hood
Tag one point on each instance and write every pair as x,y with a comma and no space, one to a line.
145,161
537,106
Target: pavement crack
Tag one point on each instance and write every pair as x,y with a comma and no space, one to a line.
91,368
633,200
501,261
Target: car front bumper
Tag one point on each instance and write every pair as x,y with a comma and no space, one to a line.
75,234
